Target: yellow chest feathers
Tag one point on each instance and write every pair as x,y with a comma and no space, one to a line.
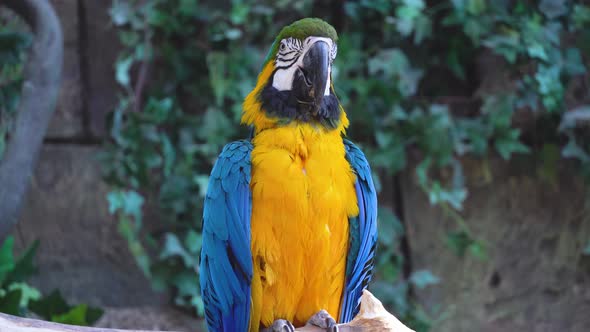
303,171
302,195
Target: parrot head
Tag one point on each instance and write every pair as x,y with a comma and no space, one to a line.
295,82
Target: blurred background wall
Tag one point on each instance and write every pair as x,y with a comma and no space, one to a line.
81,251
535,277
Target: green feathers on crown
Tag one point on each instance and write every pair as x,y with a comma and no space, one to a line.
302,29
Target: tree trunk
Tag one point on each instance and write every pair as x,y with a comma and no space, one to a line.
37,103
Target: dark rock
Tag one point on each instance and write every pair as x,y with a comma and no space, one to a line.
534,233
81,252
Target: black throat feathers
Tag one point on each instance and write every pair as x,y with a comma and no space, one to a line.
285,106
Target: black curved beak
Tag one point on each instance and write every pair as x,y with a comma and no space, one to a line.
313,76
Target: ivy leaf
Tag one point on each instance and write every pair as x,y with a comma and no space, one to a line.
11,46
455,196
75,316
233,33
573,150
574,65
577,116
193,241
6,258
187,284
510,144
158,110
189,7
506,147
423,278
553,8
202,181
216,127
128,202
422,29
476,7
393,64
461,242
506,45
49,306
80,315
120,12
581,15
551,33
550,86
407,14
93,314
53,307
28,293
477,250
23,267
239,13
398,113
197,303
536,50
459,4
173,247
383,138
122,70
408,81
475,29
10,302
388,62
458,242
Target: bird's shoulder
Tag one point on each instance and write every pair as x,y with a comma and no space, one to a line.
231,169
235,156
357,159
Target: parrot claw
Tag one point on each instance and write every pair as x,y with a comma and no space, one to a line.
280,325
323,320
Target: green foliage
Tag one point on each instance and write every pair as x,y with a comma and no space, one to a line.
54,308
19,298
14,294
186,67
461,242
13,46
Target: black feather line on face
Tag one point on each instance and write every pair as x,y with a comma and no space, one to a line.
284,105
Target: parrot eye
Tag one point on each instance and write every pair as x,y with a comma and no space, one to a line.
282,47
333,52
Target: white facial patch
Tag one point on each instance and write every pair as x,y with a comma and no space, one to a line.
290,57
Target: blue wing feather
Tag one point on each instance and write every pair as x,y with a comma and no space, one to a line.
225,270
363,234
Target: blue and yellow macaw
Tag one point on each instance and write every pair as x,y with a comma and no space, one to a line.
289,225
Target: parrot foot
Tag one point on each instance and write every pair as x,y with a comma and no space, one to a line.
322,319
280,325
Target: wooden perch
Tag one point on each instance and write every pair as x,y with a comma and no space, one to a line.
372,317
